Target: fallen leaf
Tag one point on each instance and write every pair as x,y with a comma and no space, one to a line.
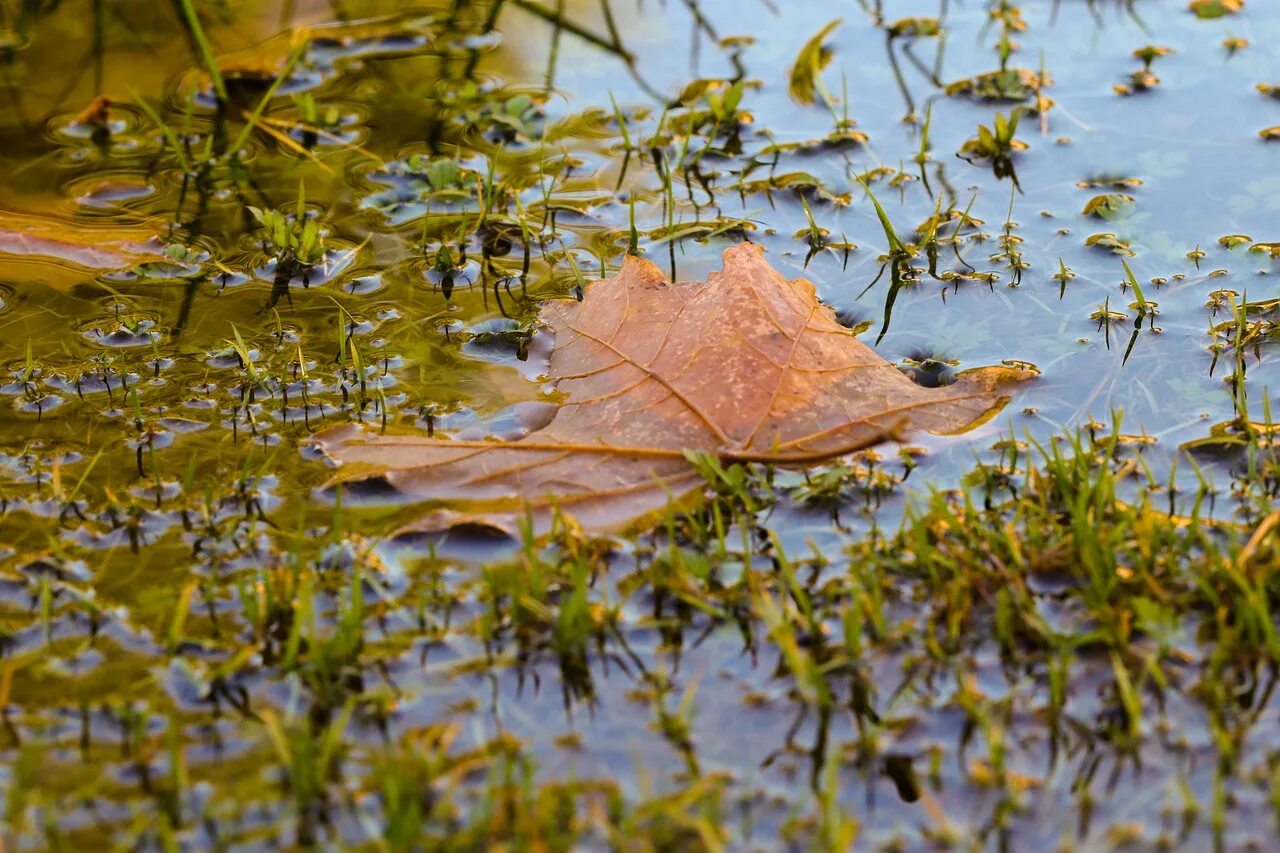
92,247
748,366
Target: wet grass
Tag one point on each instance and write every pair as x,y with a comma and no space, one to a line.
1065,617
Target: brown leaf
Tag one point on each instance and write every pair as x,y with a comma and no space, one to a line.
92,247
748,366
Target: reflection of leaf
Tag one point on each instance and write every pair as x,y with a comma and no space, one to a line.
1194,393
90,247
810,61
748,367
1164,164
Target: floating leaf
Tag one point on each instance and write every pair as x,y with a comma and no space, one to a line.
1107,240
1008,84
747,366
89,247
1114,181
810,61
802,183
1230,241
1148,54
1207,9
1109,205
915,28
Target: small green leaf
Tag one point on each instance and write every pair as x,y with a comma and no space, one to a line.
810,61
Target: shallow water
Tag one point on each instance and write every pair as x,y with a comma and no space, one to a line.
146,470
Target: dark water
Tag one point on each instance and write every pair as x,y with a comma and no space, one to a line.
147,471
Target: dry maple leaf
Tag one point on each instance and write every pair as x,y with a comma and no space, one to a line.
92,247
748,366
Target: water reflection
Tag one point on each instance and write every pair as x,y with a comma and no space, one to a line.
185,618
